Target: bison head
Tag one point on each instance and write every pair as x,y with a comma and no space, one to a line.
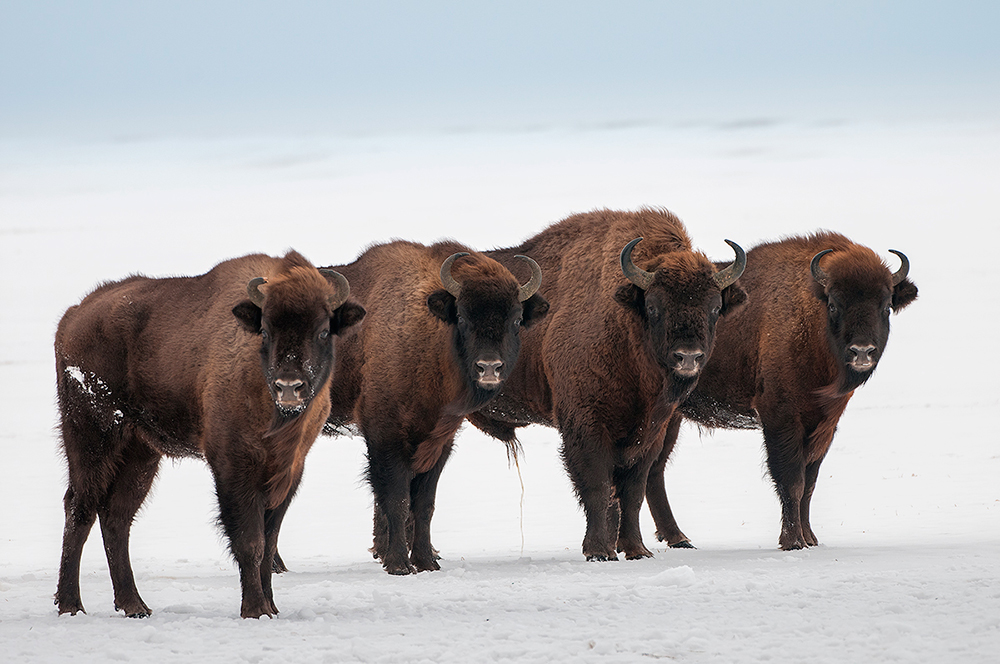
859,292
679,304
486,309
296,315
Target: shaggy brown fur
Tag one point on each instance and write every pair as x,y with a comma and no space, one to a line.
601,367
783,364
410,376
188,366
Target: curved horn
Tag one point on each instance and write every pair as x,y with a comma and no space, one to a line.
254,292
904,267
636,275
818,274
340,284
727,276
530,288
449,282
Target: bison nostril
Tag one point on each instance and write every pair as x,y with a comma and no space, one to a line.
689,356
862,353
489,369
288,389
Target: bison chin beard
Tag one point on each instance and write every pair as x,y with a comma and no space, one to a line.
679,387
283,417
848,381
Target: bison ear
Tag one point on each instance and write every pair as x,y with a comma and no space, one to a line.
904,293
442,304
534,310
248,314
348,314
733,299
632,297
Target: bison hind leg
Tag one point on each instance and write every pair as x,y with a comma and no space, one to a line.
278,565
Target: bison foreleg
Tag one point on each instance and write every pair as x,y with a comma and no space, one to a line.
587,456
241,513
667,529
630,485
788,472
423,489
390,481
272,526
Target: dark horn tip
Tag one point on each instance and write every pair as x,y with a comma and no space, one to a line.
904,267
728,276
817,272
632,272
449,282
253,291
534,283
342,285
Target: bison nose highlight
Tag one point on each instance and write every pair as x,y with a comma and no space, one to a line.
862,357
489,372
688,362
288,391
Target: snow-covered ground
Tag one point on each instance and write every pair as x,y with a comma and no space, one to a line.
907,507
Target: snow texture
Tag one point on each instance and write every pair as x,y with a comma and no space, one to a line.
907,507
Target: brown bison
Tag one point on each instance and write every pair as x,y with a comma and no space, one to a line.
442,335
813,331
631,327
153,367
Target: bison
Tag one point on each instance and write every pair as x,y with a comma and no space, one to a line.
631,327
813,331
234,366
442,335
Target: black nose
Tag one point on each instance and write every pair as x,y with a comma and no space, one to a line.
489,369
288,390
688,362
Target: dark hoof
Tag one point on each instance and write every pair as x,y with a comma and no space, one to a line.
426,565
135,610
399,570
71,610
602,557
639,555
684,544
278,565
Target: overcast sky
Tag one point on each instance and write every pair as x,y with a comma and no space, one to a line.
196,66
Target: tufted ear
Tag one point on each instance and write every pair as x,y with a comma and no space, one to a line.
535,308
249,315
442,304
348,314
631,297
733,298
904,293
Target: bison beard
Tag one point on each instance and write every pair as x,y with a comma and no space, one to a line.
621,347
154,367
837,296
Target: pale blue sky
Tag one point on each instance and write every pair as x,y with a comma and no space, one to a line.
139,67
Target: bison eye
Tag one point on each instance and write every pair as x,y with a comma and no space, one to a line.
716,310
832,307
324,334
652,313
518,321
263,334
